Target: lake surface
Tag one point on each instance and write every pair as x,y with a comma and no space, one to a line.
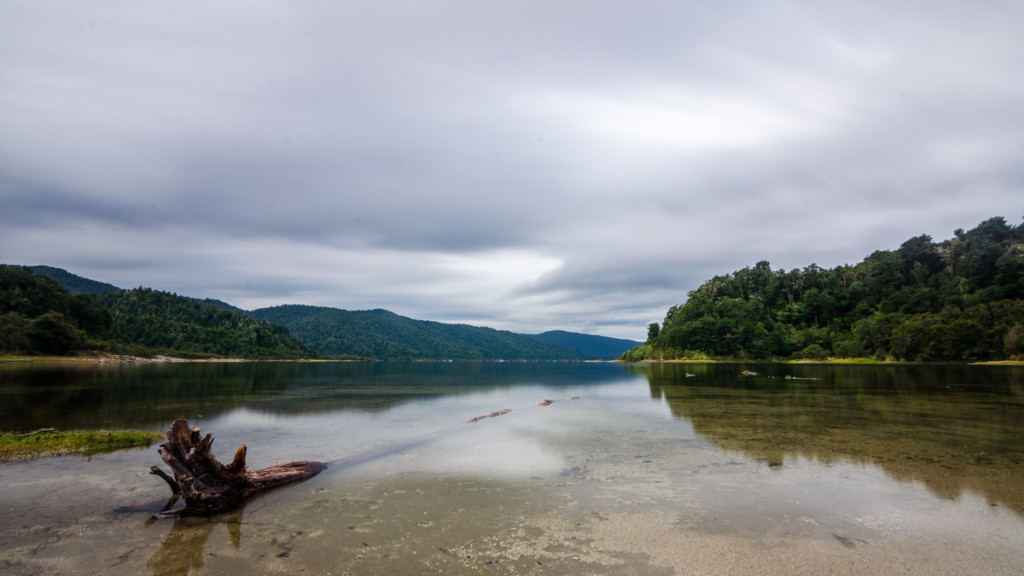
654,469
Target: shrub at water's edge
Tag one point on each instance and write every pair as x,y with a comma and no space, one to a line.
961,299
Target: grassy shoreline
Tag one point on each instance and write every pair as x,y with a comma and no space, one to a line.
868,361
16,447
116,359
104,359
125,359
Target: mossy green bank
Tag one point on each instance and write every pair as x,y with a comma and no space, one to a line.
16,446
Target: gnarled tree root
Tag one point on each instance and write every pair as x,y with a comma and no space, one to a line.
209,487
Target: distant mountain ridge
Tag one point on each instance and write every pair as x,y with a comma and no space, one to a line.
600,347
384,335
76,284
73,283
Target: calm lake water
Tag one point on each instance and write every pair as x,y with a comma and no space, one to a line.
654,469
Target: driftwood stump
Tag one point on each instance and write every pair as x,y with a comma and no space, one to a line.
209,487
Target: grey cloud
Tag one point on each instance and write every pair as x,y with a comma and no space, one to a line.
522,165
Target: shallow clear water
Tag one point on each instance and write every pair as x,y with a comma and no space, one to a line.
661,469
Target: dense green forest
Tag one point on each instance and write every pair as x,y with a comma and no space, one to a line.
78,285
384,335
161,320
961,299
84,315
38,315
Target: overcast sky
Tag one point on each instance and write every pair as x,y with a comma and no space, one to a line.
521,165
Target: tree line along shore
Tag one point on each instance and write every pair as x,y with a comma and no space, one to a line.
958,300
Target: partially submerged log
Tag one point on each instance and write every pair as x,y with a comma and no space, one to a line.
209,487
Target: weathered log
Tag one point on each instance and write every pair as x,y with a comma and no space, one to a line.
209,487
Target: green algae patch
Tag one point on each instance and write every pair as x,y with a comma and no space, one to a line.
49,442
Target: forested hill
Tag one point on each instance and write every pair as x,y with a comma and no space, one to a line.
955,300
76,284
95,316
165,321
600,347
73,283
384,335
39,315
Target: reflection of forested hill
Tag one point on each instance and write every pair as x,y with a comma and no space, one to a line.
370,386
953,428
153,395
150,395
